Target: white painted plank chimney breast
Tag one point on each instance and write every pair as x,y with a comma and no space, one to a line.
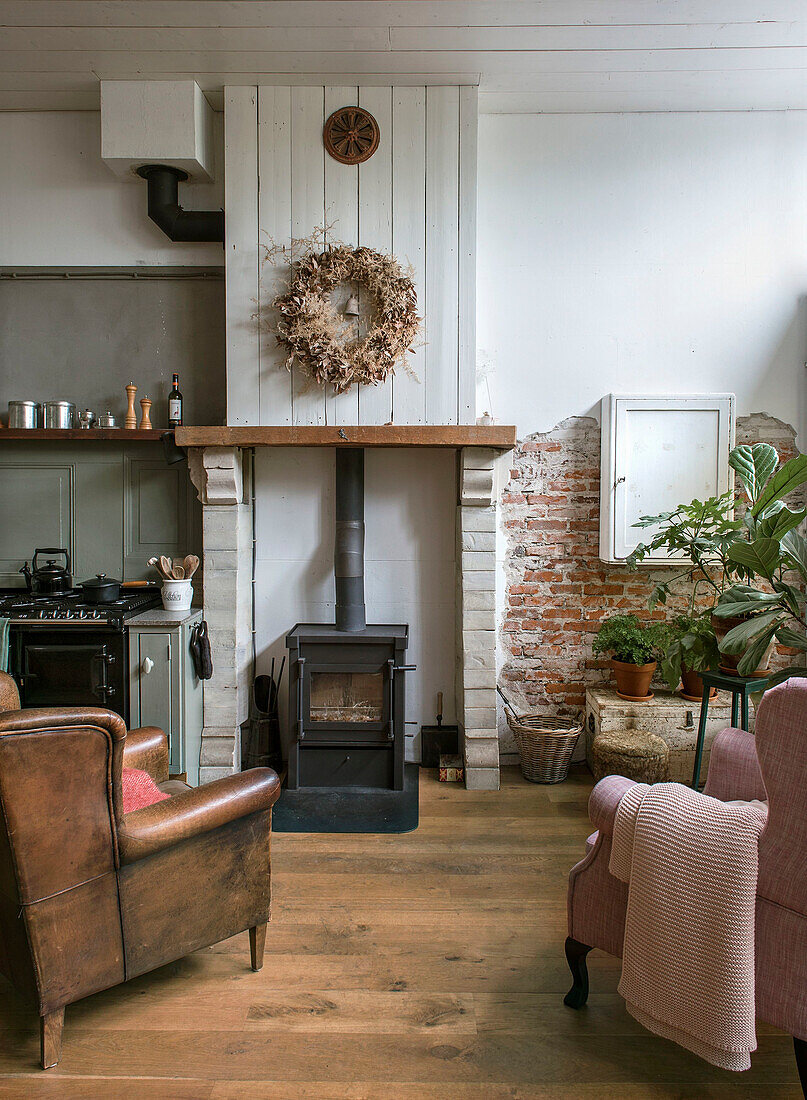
415,197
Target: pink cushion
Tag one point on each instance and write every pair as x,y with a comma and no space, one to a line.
139,790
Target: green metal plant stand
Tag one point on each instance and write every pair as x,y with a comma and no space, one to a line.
741,687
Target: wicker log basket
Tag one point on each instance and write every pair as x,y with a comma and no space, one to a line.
545,743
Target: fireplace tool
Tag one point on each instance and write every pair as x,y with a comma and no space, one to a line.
260,734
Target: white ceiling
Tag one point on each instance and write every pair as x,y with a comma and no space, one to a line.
526,55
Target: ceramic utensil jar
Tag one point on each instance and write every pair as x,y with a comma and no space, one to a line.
177,595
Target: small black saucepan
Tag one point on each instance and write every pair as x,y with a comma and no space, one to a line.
101,589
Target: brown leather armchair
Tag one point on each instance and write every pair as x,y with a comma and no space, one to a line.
90,897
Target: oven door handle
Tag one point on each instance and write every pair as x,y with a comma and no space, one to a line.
104,689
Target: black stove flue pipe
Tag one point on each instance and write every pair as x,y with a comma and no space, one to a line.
165,211
349,541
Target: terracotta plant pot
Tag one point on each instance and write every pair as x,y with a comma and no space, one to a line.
633,681
692,686
729,661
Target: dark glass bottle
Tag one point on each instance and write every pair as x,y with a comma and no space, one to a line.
175,404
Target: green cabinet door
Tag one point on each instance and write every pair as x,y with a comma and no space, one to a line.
154,687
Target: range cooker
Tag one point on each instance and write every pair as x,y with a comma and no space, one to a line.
64,651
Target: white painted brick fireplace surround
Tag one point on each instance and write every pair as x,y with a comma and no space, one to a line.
219,474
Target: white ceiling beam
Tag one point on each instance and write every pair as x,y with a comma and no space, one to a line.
146,39
380,13
375,39
109,64
626,37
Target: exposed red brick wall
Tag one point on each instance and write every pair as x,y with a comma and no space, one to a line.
557,589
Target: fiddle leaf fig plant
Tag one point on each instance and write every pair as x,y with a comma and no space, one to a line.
773,609
743,564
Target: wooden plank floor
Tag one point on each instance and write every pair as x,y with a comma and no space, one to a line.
420,967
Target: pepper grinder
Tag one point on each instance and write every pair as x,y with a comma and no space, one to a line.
130,419
145,405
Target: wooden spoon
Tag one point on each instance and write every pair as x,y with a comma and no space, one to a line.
191,564
167,567
155,563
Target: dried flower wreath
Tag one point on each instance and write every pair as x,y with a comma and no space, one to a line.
325,344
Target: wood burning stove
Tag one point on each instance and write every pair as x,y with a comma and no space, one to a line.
347,703
346,682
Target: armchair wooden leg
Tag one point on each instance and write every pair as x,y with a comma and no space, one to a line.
800,1047
576,957
257,941
50,1037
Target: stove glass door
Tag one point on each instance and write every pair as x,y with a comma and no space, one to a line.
346,699
352,697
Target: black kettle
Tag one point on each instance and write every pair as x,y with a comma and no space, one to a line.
50,579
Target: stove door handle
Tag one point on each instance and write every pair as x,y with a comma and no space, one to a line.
300,697
393,668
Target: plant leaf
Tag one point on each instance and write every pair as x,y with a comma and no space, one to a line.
761,557
785,674
789,637
754,466
778,521
795,547
750,660
784,481
731,608
743,599
739,636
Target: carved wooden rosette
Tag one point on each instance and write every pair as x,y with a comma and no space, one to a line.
351,135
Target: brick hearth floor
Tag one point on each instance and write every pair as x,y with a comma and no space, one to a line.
420,967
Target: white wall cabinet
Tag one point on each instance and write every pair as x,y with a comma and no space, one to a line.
657,453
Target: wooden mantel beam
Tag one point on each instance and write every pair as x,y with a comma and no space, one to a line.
501,437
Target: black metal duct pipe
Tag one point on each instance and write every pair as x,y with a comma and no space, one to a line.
349,542
165,211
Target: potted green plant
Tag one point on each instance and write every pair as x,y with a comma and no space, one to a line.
689,649
754,616
633,646
700,534
724,553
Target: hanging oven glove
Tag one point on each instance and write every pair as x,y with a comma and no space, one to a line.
200,651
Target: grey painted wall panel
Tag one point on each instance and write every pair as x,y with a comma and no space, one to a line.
82,339
111,506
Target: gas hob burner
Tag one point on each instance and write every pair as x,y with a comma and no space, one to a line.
72,608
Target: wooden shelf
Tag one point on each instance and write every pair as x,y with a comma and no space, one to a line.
500,437
86,435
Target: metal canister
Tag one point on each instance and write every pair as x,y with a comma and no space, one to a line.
106,420
58,414
24,414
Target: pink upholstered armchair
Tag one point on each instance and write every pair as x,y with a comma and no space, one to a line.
772,766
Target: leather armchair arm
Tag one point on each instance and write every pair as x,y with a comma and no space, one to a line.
147,749
35,718
199,810
605,798
9,696
733,768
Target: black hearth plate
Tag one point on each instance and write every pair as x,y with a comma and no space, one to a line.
349,809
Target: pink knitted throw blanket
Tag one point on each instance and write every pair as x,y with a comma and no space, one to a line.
690,862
